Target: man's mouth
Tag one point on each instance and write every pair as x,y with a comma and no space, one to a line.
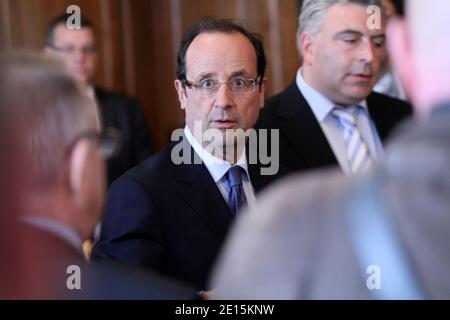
224,124
362,76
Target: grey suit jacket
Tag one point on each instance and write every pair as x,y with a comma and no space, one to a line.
298,243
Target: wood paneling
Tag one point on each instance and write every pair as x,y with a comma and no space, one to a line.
139,39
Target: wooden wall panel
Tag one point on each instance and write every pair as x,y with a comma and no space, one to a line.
289,11
139,39
5,25
156,67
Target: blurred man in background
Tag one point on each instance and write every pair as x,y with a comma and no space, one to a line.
57,191
389,83
12,277
78,50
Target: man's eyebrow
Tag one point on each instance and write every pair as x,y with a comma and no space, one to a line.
349,32
380,35
240,73
204,75
359,33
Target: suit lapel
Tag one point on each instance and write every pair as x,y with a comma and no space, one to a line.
381,115
378,115
105,116
101,97
300,127
198,189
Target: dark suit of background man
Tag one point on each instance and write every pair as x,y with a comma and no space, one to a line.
383,235
174,218
78,50
341,60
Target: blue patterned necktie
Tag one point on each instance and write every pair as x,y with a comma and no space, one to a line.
356,149
237,196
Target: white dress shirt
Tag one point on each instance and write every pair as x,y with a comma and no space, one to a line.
90,92
218,168
322,108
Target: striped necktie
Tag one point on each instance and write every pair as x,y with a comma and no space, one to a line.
356,149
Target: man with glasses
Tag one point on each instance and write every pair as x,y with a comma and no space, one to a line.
78,50
173,217
59,195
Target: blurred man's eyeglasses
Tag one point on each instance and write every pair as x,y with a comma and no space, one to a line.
209,87
70,50
108,142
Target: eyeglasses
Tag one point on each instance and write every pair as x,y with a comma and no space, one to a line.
209,87
70,50
109,141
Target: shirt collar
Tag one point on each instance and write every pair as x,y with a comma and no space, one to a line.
59,229
320,105
90,91
217,167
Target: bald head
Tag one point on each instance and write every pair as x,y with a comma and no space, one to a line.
420,48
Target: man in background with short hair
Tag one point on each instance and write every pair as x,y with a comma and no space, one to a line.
77,48
329,115
57,195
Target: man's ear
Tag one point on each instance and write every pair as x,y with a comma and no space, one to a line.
181,93
262,93
400,54
307,48
78,167
49,51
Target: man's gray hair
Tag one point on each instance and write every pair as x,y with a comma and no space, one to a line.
313,12
49,108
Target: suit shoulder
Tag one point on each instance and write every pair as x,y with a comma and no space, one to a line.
272,102
289,96
270,110
384,100
154,170
114,97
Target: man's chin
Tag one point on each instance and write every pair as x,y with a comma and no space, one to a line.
82,78
357,95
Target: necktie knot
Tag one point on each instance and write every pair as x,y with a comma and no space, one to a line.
235,176
347,116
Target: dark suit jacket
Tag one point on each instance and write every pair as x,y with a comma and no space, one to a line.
50,256
303,145
125,114
166,217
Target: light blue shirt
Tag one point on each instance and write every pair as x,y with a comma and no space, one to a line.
331,127
218,168
390,85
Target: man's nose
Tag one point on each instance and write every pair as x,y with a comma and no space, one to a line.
224,96
80,54
366,52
